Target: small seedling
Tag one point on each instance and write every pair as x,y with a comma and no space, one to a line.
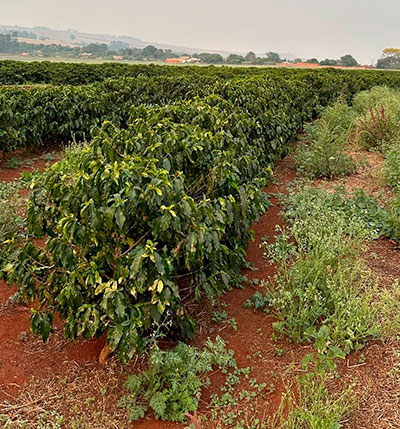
279,352
49,157
14,163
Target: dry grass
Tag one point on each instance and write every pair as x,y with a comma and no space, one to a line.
84,397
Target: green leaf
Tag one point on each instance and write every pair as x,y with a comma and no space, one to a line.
120,217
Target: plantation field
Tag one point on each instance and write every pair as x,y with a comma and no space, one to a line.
198,247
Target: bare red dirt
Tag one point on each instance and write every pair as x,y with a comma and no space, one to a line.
29,160
23,356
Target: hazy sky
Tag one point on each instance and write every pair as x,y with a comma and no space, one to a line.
320,28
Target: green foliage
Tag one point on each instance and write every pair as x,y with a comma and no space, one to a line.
314,407
323,154
258,301
164,195
12,224
171,386
392,219
171,196
378,125
322,285
58,73
391,167
47,114
131,220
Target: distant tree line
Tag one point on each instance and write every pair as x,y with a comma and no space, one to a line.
20,33
271,58
10,45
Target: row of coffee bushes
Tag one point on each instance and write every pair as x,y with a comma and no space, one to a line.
48,114
58,73
156,213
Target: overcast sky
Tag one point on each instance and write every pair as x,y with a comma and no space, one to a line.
306,28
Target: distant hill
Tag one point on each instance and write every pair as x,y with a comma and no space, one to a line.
76,38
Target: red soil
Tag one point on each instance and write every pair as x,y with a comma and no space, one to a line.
23,356
10,174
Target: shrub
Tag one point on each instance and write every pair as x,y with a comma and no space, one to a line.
323,155
148,208
379,116
377,129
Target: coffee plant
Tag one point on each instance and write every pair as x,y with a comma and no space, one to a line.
156,209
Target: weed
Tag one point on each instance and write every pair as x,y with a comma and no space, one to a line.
374,98
391,219
227,407
49,157
388,304
322,283
313,406
258,301
377,129
45,420
172,384
14,163
222,316
394,372
378,123
12,224
279,352
324,155
219,316
360,214
281,248
391,167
